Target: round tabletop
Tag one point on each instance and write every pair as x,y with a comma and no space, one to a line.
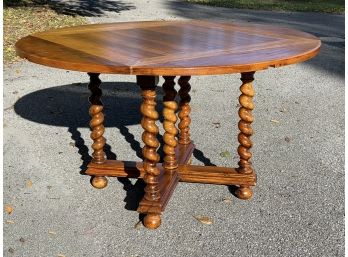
169,47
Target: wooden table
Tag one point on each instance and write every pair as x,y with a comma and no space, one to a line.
169,49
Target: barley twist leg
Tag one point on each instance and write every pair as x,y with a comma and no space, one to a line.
244,125
185,109
97,127
150,155
170,107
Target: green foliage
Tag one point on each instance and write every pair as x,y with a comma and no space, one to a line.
328,6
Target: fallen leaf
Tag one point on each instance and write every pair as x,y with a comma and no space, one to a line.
29,183
52,232
204,220
72,144
227,200
10,222
275,121
56,112
61,255
9,108
287,139
11,250
9,209
18,71
283,110
217,124
225,154
138,225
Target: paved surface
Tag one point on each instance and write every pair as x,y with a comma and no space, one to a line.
298,206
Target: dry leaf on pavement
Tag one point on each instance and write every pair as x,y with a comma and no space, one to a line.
138,225
204,220
29,183
225,154
227,200
9,209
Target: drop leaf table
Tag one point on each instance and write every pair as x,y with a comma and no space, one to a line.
169,49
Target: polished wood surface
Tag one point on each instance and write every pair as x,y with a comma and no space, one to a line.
97,127
169,108
97,121
169,47
187,173
185,110
244,125
160,184
246,131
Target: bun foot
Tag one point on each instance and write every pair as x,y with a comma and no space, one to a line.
152,221
244,192
99,182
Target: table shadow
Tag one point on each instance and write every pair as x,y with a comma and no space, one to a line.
67,106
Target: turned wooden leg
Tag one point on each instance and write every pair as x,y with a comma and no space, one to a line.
185,109
150,155
170,107
244,125
97,127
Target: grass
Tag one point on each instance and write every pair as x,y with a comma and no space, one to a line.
327,6
28,18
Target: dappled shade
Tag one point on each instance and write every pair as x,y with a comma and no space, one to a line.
88,8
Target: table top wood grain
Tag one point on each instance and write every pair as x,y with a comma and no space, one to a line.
169,47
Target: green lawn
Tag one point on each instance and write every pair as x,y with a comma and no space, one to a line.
328,6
